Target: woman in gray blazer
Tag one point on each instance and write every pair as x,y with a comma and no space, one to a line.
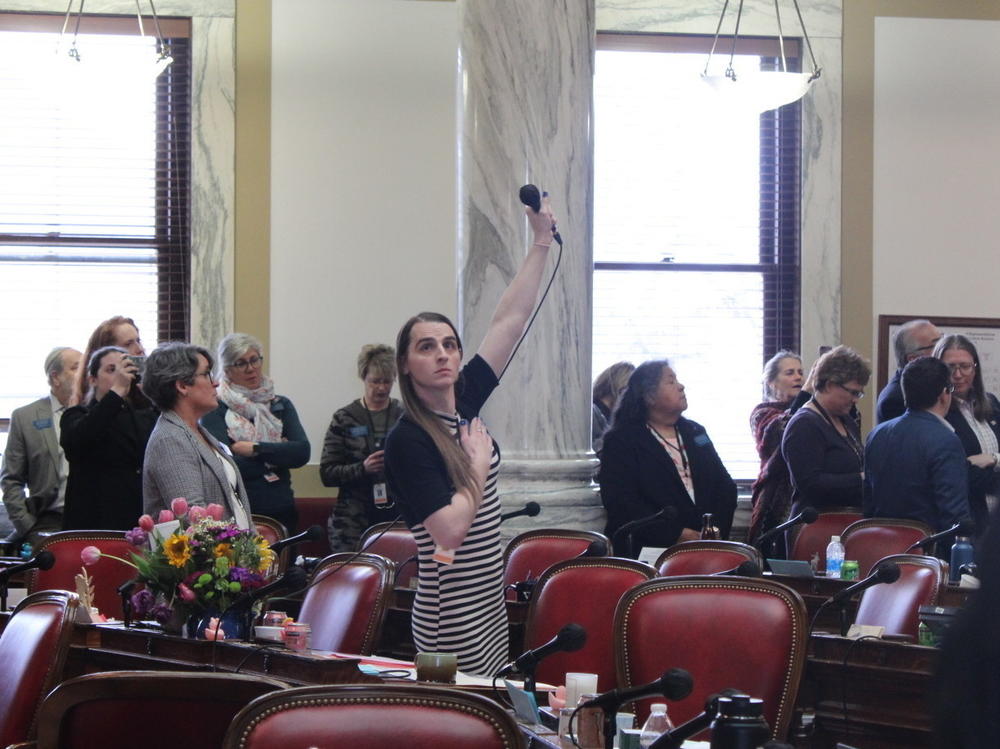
182,458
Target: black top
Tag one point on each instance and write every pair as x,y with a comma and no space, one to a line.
981,480
638,478
105,444
890,401
416,473
825,466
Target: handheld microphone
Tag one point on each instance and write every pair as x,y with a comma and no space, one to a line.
596,548
43,560
531,509
886,573
960,529
294,579
744,569
530,196
674,738
675,684
312,533
806,516
570,638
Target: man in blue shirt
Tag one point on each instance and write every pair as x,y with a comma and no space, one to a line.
914,464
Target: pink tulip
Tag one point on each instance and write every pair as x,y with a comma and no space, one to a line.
216,511
165,516
146,523
90,555
196,513
185,592
179,505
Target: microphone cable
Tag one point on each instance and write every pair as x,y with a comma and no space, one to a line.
843,679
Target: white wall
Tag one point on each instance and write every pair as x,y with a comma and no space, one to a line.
363,187
936,167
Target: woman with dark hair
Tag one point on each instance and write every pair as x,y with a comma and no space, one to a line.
772,491
353,454
822,442
104,439
183,459
442,466
261,428
608,387
115,331
655,459
974,415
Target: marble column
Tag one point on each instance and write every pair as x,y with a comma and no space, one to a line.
526,74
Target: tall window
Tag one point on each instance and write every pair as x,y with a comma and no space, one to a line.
696,226
94,188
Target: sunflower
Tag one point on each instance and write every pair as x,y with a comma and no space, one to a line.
266,555
223,550
177,550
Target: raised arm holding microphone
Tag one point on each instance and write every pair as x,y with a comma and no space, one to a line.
446,488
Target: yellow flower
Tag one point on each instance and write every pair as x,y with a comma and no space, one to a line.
177,550
223,550
266,560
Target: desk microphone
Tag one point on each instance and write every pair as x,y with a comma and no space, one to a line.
529,510
43,560
597,548
570,638
748,568
667,514
675,737
294,579
675,684
806,516
312,533
887,573
962,529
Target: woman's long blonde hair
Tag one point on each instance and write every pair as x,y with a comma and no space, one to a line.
455,460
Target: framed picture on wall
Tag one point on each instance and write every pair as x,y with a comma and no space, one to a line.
984,332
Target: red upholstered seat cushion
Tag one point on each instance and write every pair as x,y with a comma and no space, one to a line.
868,541
584,591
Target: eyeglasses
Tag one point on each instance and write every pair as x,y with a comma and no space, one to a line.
859,394
963,367
254,362
207,375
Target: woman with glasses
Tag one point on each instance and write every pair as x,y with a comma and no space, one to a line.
822,442
973,415
262,429
183,459
104,439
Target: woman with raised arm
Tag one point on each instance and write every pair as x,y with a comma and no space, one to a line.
442,465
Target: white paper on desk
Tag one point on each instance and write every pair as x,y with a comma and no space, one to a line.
649,554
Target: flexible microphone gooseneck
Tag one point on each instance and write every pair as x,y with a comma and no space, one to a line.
675,684
530,510
312,533
806,516
667,514
886,573
743,569
960,529
570,638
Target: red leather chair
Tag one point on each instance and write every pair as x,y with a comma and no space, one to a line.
746,633
584,591
151,709
529,554
393,541
346,602
895,606
373,717
107,574
705,558
314,511
33,650
871,539
272,531
812,538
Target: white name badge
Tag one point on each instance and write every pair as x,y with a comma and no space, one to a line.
381,495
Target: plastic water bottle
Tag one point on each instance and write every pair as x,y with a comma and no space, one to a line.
834,557
961,553
656,724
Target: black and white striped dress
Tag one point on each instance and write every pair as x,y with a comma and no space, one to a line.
459,607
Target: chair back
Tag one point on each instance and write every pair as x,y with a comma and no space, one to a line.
529,554
871,539
896,606
393,541
585,591
314,511
272,531
107,573
373,717
706,558
812,538
151,709
746,633
33,648
346,602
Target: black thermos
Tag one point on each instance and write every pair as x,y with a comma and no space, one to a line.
740,723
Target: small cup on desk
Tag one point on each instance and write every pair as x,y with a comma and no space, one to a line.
579,684
436,667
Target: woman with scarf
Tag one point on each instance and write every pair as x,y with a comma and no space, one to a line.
262,429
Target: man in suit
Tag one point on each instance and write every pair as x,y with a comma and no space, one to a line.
914,464
914,339
33,475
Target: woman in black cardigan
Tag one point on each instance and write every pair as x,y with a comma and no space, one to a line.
654,459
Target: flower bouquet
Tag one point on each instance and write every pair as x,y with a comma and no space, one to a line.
192,562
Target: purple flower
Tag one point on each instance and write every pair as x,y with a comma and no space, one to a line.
142,603
136,537
246,578
162,613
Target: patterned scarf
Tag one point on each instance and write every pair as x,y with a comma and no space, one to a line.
249,418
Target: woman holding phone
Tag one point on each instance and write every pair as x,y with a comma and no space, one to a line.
442,466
